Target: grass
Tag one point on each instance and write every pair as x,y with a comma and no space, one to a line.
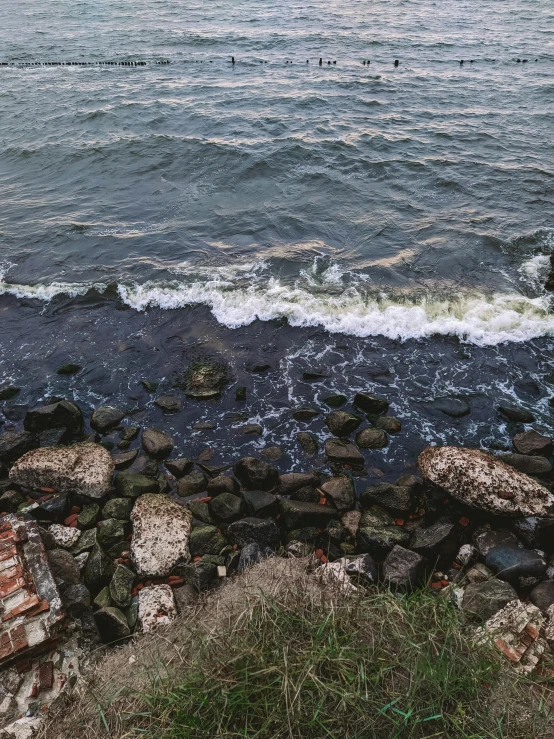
288,665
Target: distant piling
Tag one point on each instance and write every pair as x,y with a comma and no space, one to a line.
396,62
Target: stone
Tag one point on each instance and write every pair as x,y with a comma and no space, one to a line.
262,531
260,503
240,393
297,515
454,407
371,404
61,415
394,497
112,624
89,516
272,452
488,539
390,424
200,574
542,595
84,468
308,443
517,414
479,573
252,554
307,495
161,530
340,491
179,467
69,369
378,533
403,569
305,414
314,375
222,484
467,555
76,599
125,459
156,443
11,500
252,428
255,474
528,465
8,392
87,541
103,599
129,433
121,586
156,607
133,485
169,403
339,450
63,567
110,532
205,379
206,540
105,418
371,439
119,508
537,533
438,542
487,598
532,443
342,423
64,536
99,570
335,401
363,569
191,484
482,481
150,386
226,507
350,521
293,481
512,563
14,444
201,511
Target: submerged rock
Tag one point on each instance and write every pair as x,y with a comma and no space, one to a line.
454,407
308,442
517,414
390,424
371,404
371,439
105,418
485,482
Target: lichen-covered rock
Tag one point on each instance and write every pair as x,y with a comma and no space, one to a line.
482,481
85,468
121,586
156,607
132,485
112,624
161,530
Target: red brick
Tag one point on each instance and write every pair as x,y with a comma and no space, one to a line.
19,638
27,605
46,676
6,651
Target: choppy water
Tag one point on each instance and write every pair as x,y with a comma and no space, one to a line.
389,211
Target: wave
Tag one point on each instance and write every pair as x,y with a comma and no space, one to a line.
339,301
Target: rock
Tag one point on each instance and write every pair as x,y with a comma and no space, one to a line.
179,467
206,540
200,574
514,563
260,503
129,433
222,484
156,443
350,522
340,490
293,481
226,507
11,500
105,418
308,442
488,539
8,392
438,542
526,464
342,423
272,452
206,379
121,586
262,531
307,495
112,624
363,569
484,482
14,444
252,553
254,474
378,533
169,403
305,414
191,484
69,369
532,443
297,515
487,598
52,510
76,599
110,532
314,375
390,424
132,485
371,439
537,533
394,497
454,407
542,595
125,459
87,541
335,401
161,530
240,393
342,451
98,570
62,415
156,607
371,404
403,569
119,508
63,567
103,599
467,555
85,468
64,536
150,386
479,573
257,365
514,413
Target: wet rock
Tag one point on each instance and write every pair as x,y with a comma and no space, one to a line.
119,508
305,414
133,485
226,507
527,464
394,497
537,533
342,423
262,531
8,392
240,393
403,569
371,439
98,570
454,407
161,530
484,482
272,452
129,433
121,586
205,379
488,539
378,533
307,495
260,503
314,375
110,532
222,484
487,598
297,515
532,443
254,474
62,415
363,569
390,424
340,491
339,450
371,404
63,567
169,403
252,428
179,467
252,553
437,542
542,595
85,468
76,599
257,366
515,413
191,484
69,369
125,459
156,607
308,443
112,624
514,563
14,444
335,401
64,536
293,481
156,443
350,522
105,418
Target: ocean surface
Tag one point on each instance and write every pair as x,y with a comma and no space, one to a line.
390,226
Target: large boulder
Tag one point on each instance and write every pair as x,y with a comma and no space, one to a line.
485,482
14,444
255,474
85,468
161,530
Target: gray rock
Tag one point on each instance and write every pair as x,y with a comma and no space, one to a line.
156,443
487,540
293,481
394,497
378,533
125,459
179,467
308,443
342,423
487,598
61,415
254,474
14,444
206,540
437,542
340,491
226,507
537,533
307,495
252,553
454,407
169,403
390,424
371,439
191,484
363,569
200,574
262,531
513,563
105,418
222,484
76,599
514,413
526,464
297,515
112,624
403,569
371,404
260,503
531,442
542,595
133,485
339,450
63,567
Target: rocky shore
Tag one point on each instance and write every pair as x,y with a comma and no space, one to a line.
107,528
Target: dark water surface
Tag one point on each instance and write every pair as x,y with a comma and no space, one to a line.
391,225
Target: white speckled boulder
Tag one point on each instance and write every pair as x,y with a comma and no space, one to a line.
156,607
85,468
161,530
483,481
